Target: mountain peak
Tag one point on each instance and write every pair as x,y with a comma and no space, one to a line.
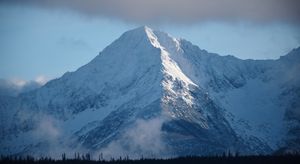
144,27
139,30
146,33
142,30
157,38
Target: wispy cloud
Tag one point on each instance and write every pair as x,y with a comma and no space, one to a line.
41,79
179,10
145,139
15,86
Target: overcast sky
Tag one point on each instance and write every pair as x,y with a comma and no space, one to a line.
49,37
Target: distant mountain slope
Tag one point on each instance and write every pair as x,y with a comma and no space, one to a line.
149,94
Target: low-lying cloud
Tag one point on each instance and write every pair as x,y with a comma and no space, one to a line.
144,139
15,86
41,79
179,11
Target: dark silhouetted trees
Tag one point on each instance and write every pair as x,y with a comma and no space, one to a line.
226,158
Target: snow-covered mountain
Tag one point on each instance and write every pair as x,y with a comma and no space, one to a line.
149,94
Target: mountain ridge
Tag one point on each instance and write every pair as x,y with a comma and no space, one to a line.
149,94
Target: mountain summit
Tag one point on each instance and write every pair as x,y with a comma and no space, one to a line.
152,95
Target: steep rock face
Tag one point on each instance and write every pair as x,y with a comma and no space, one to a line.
154,95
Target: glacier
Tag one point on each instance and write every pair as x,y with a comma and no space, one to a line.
152,95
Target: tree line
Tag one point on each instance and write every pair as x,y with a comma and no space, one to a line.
221,159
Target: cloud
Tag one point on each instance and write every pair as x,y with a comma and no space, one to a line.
47,129
15,86
41,79
18,82
144,139
47,136
179,11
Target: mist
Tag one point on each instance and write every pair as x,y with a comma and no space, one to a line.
143,139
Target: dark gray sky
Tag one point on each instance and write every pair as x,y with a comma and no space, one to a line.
180,11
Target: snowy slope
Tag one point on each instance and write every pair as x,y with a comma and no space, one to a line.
251,91
154,95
